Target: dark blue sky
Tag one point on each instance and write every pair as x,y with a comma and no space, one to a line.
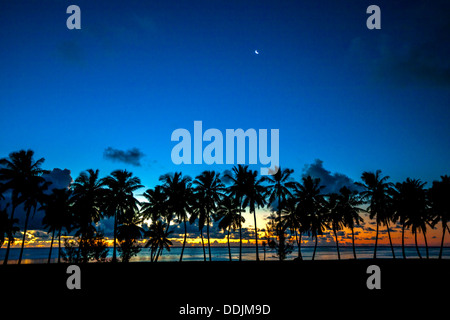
355,98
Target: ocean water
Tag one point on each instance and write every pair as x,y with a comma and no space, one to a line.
40,255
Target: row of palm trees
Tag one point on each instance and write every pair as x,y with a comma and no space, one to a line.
301,208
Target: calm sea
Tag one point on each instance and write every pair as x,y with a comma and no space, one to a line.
40,255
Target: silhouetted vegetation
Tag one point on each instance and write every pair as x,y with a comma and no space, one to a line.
299,209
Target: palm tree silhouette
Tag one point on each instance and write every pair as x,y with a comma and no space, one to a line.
158,239
279,189
58,214
120,199
237,190
7,228
17,172
377,191
208,189
412,207
88,202
179,198
229,214
156,208
292,219
311,207
334,216
439,204
349,207
128,232
254,197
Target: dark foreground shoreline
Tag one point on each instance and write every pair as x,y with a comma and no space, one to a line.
289,288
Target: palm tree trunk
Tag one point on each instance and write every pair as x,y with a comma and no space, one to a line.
207,234
240,232
315,247
256,236
376,242
390,240
403,241
114,258
167,230
299,243
24,235
280,239
228,240
353,242
5,261
185,236
59,246
417,248
51,246
426,244
442,240
203,246
337,243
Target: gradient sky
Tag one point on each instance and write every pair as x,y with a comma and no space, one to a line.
356,99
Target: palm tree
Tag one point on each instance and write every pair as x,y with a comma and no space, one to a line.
440,206
412,208
119,197
334,217
254,197
7,228
376,193
88,201
179,198
158,239
279,189
33,194
208,189
128,232
311,208
292,219
58,213
16,172
229,214
156,208
348,206
237,190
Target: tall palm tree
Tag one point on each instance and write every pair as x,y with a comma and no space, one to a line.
88,201
119,198
238,177
311,207
229,214
440,205
179,199
279,189
158,239
128,233
334,217
254,197
294,221
58,213
33,194
208,189
16,172
7,228
376,193
156,208
412,208
348,205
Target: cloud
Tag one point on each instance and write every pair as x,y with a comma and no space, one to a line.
132,156
333,182
60,179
